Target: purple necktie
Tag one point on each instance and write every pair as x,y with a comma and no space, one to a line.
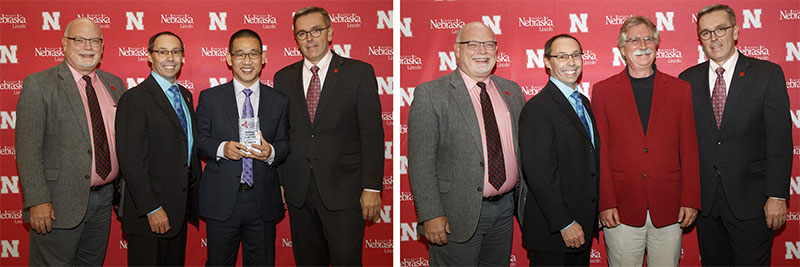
247,163
718,96
314,90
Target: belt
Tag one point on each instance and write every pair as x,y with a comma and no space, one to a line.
495,197
245,187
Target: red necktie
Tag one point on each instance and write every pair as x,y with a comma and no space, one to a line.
314,90
102,158
494,148
718,96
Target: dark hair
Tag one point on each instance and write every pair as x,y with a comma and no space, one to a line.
717,7
548,45
310,10
243,33
155,36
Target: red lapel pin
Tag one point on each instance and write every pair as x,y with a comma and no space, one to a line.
741,74
335,70
507,93
113,88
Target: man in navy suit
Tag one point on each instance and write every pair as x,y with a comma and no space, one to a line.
240,196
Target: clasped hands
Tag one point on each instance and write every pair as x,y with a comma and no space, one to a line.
235,151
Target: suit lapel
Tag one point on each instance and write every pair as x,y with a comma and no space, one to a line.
563,104
297,89
628,103
705,97
512,105
735,90
264,104
160,98
228,99
460,95
115,94
72,93
659,97
331,78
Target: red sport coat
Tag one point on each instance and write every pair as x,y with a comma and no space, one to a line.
657,171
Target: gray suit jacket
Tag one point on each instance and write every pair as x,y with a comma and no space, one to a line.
445,153
52,138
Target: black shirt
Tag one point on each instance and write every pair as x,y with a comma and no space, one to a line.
643,94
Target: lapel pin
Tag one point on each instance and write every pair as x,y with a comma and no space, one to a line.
507,93
113,88
741,74
335,70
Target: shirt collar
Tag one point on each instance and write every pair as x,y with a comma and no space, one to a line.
470,83
239,87
162,82
78,76
728,65
562,87
325,61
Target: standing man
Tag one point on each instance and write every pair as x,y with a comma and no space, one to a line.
649,184
333,177
462,154
561,162
66,152
155,133
744,133
240,194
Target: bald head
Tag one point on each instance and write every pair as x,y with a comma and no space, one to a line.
81,23
83,45
475,59
473,26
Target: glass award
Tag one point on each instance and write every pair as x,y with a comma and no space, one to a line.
248,133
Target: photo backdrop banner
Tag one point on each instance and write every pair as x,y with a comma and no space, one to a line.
30,41
769,30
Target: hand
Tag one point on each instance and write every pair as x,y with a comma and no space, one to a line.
436,230
775,210
159,223
265,148
42,216
234,150
609,217
686,216
573,236
370,205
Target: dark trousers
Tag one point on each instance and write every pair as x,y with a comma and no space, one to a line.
145,250
725,240
246,227
323,237
559,258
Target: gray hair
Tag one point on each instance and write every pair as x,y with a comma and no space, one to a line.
636,21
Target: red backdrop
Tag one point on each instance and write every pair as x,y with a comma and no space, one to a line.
769,30
30,41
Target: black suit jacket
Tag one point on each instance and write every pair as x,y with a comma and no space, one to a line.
151,148
561,168
752,150
344,144
218,121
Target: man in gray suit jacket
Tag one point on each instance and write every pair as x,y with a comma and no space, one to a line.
66,154
462,150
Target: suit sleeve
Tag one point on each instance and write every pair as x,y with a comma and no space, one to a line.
423,143
690,161
540,164
29,142
206,144
132,147
370,131
607,197
281,142
778,133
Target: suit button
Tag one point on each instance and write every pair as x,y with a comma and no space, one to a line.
481,163
89,151
308,159
645,150
480,189
644,176
719,143
87,177
312,135
591,150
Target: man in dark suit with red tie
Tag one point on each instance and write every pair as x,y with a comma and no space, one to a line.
156,132
333,176
744,134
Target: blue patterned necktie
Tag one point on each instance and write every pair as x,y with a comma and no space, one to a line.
579,109
178,106
247,163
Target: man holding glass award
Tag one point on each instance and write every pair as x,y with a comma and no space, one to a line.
243,134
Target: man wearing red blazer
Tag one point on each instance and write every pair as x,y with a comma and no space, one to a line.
649,176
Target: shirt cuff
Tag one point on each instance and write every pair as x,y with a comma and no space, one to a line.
271,154
778,198
154,211
570,224
221,150
371,190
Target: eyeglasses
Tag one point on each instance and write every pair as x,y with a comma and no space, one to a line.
95,42
565,57
303,35
719,32
636,40
474,45
241,55
166,53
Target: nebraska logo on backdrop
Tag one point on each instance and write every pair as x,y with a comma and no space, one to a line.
535,58
135,21
292,51
266,21
447,61
589,58
616,20
531,90
8,120
790,14
102,21
493,22
188,84
792,51
664,21
385,244
406,196
384,85
759,52
792,250
793,83
342,49
216,81
10,248
351,20
55,52
15,216
8,54
414,262
216,21
218,52
184,21
752,18
387,51
10,185
503,60
452,25
387,184
17,21
412,62
140,53
577,22
671,55
408,231
543,24
132,82
50,21
406,96
11,86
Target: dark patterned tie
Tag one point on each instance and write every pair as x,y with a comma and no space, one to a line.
102,158
494,148
247,163
718,96
314,90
